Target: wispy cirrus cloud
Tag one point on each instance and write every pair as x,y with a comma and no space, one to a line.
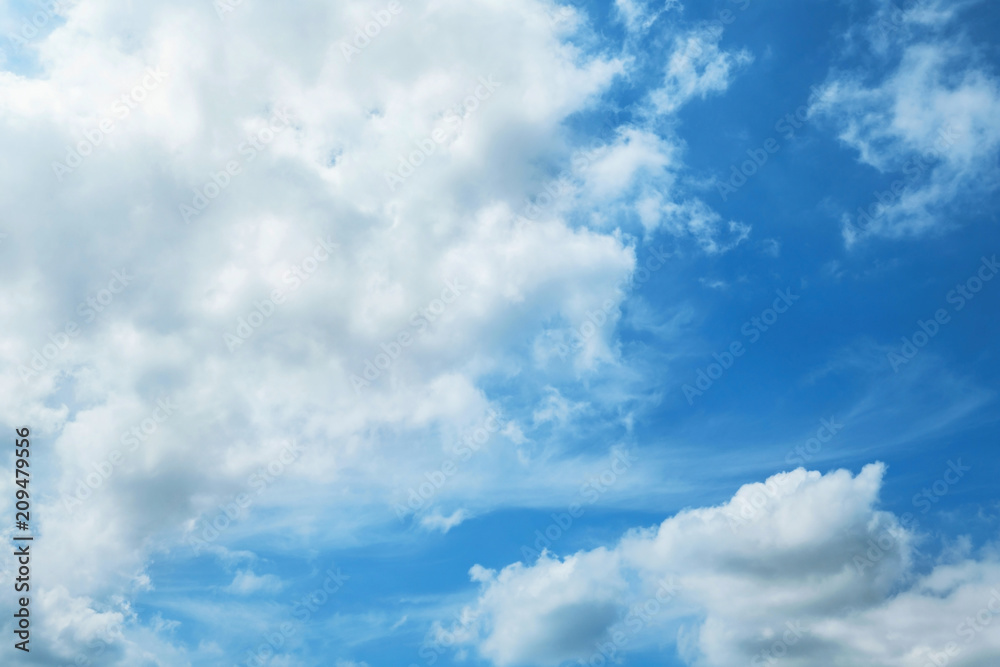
928,121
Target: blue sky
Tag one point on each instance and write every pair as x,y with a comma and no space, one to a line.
626,305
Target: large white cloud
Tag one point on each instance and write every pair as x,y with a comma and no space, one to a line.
233,213
803,569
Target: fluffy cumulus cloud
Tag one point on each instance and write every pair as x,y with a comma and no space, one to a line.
929,122
252,246
803,569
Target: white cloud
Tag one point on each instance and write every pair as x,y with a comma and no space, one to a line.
696,68
550,612
632,181
638,16
556,407
613,168
696,218
803,567
930,122
771,247
500,80
246,582
436,521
